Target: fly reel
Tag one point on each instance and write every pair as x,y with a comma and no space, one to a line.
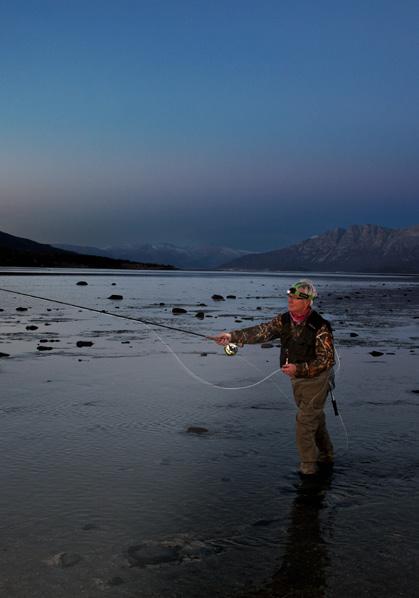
231,349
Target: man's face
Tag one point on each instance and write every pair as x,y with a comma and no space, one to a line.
297,306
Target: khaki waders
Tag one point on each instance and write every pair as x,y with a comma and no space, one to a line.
313,441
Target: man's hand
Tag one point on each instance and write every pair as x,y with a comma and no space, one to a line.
221,339
289,369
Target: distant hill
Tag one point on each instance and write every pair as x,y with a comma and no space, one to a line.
20,252
205,257
359,248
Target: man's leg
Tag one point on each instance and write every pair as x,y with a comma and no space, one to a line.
310,396
323,442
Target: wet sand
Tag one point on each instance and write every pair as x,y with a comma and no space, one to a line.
123,475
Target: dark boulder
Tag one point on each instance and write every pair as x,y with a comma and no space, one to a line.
376,353
200,315
216,297
82,283
85,343
197,430
178,310
115,297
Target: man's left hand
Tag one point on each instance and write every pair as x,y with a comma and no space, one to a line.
289,369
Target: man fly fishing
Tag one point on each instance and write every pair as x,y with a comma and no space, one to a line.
307,357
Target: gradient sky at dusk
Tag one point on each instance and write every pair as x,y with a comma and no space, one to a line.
242,123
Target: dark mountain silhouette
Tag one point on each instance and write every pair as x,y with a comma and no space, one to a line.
17,251
359,248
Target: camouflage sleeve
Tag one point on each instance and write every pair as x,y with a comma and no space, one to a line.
258,334
325,355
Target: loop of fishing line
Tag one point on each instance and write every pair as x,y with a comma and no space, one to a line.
149,323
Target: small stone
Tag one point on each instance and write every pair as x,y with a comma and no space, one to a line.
82,283
115,297
266,346
89,526
32,327
231,297
196,430
115,581
376,353
21,309
4,355
216,297
204,354
200,315
44,348
353,334
152,553
178,310
64,559
84,343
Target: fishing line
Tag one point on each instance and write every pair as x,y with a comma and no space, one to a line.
149,323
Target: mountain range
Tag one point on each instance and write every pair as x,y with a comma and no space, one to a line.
359,248
205,257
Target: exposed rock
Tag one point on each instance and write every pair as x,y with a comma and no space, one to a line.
21,309
4,355
197,430
267,346
178,310
85,343
82,283
376,353
152,553
200,315
216,297
231,297
32,327
353,334
115,297
115,581
44,348
89,526
64,559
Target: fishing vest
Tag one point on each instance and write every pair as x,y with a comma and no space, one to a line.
301,348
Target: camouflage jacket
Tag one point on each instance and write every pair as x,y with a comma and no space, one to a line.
268,331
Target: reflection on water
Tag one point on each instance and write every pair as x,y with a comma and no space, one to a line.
305,560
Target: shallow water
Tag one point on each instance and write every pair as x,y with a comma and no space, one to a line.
98,463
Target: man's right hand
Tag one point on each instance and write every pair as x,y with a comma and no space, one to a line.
221,339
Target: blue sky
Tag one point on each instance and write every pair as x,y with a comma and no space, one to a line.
247,124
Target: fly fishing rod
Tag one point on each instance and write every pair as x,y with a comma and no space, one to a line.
229,349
